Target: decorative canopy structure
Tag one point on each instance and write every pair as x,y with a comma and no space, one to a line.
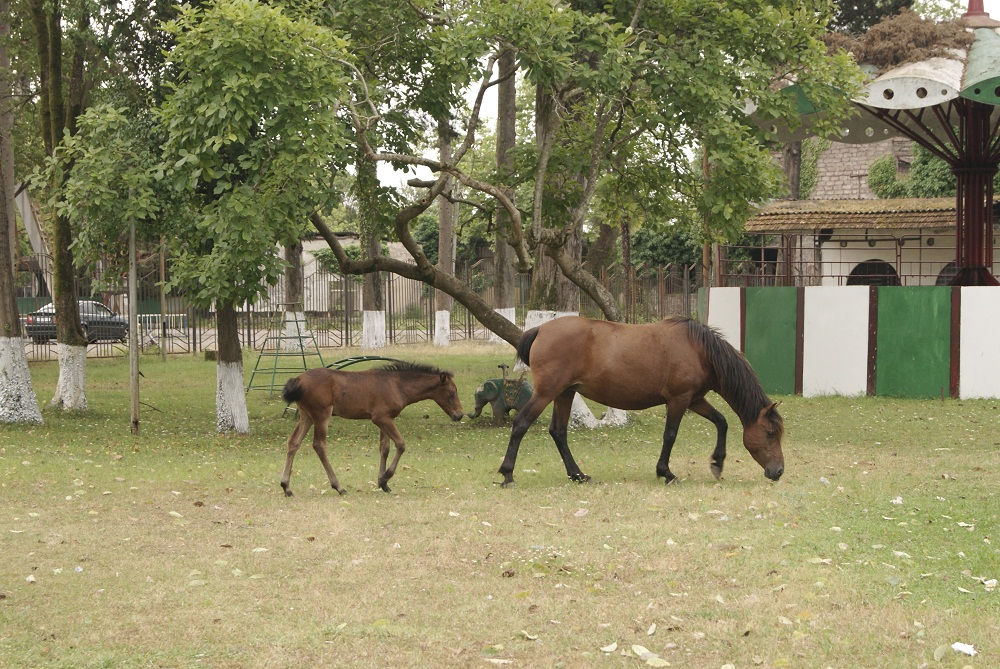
950,105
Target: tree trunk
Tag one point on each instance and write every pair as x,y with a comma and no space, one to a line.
503,255
792,164
447,213
295,317
71,344
601,252
550,289
372,303
230,398
627,270
18,403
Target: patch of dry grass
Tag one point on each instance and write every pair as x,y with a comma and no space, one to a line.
178,549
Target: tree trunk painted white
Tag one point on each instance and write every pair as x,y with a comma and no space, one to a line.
510,313
442,328
71,389
582,416
295,333
230,399
373,329
18,403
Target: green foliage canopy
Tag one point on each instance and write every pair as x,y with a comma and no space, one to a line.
252,128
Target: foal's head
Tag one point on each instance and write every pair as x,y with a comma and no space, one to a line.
446,396
763,439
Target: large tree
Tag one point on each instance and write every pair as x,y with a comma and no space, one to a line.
84,52
251,132
61,99
17,396
665,76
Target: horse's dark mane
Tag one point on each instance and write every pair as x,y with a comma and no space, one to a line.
405,367
737,382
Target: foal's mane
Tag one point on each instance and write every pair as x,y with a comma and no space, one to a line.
737,382
404,367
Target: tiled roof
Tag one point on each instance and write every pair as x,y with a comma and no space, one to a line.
936,214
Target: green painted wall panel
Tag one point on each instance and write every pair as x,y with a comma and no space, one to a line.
913,346
770,337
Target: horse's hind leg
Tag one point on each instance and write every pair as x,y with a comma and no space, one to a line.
294,441
562,408
388,432
319,445
522,421
703,408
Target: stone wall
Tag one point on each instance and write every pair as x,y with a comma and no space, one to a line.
843,168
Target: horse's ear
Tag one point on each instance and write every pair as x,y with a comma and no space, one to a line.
444,378
768,411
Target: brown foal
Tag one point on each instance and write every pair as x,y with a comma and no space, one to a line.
376,394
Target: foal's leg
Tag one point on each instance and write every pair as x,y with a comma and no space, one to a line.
294,441
319,445
675,411
388,431
522,421
561,410
703,408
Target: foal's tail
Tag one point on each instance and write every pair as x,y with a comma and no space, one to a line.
292,392
524,345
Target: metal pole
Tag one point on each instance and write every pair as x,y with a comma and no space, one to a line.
133,323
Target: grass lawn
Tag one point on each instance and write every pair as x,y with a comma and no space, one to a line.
177,548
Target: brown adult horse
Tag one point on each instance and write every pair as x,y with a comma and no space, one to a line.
377,394
673,362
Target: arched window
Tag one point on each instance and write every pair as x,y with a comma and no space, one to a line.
873,273
946,274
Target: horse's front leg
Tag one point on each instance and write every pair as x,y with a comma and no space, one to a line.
522,421
675,411
388,432
562,408
703,408
294,441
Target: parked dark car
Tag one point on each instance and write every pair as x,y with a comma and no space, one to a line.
99,323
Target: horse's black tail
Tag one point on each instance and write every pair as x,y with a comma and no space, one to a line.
524,345
292,392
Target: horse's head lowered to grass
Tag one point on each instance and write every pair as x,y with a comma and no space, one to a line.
762,438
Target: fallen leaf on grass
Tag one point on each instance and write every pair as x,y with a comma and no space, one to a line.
528,636
642,652
610,648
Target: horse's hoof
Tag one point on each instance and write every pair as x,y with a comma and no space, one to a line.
385,487
717,471
341,491
669,479
288,491
580,478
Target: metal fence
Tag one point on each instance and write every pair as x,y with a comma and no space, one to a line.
879,258
332,304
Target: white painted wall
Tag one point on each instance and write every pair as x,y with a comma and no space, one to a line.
724,313
835,341
979,360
